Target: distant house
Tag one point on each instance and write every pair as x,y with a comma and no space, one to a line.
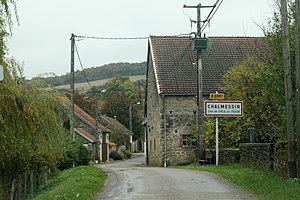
87,139
114,124
85,128
171,88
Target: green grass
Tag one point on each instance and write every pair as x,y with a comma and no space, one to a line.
264,184
81,182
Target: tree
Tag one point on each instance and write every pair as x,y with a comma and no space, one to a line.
31,131
247,82
120,94
6,23
261,84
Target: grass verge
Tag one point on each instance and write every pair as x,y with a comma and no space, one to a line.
264,184
81,182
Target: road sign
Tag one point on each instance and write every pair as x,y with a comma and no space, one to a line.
217,96
223,108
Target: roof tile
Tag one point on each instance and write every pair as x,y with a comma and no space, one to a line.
174,61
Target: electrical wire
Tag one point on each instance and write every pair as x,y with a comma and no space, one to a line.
111,38
207,21
82,66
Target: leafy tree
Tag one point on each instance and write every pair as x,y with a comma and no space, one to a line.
31,131
6,23
118,135
120,94
260,85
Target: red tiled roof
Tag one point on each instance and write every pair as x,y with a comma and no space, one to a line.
173,60
113,121
86,134
88,118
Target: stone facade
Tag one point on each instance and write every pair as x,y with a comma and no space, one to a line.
178,115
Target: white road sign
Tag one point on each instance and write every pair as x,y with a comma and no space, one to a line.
223,108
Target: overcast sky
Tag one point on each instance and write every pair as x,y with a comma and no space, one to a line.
42,41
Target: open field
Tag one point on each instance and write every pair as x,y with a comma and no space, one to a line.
85,86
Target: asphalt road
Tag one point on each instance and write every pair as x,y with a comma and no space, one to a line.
131,179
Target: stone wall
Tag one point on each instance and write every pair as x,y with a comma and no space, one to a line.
226,156
257,155
154,117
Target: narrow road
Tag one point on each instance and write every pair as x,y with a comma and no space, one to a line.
131,179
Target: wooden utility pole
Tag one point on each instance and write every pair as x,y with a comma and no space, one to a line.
288,91
72,91
200,24
298,85
97,153
199,86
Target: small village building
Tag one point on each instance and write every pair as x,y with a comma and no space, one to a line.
171,88
117,127
87,140
85,127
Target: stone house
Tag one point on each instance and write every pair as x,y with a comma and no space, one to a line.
171,88
85,129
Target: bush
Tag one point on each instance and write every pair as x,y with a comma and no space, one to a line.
127,153
76,155
116,156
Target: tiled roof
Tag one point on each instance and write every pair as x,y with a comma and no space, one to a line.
86,134
113,121
173,60
89,119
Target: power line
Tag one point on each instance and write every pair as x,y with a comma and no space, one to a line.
82,66
112,38
207,21
124,38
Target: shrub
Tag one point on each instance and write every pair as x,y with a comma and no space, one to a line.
116,156
127,153
76,155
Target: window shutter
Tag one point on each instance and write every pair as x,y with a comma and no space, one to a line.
181,140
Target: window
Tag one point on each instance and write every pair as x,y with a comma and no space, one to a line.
187,140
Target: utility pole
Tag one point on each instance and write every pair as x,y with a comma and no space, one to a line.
298,84
130,121
72,88
200,76
288,91
97,122
97,156
199,85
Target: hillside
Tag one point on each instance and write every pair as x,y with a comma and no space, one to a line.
85,86
98,73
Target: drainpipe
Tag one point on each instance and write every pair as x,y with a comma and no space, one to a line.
165,130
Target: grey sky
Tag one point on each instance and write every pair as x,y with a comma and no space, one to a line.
42,39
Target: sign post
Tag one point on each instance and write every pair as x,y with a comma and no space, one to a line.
221,109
